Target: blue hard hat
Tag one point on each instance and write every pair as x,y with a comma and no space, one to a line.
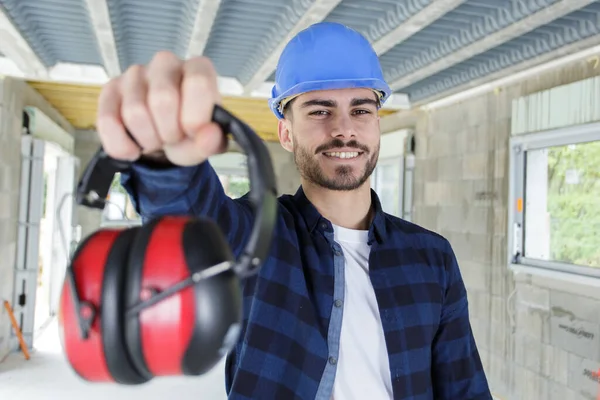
326,56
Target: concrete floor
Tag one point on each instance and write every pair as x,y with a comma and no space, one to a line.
47,376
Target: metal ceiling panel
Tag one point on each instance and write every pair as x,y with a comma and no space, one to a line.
143,27
375,18
574,27
466,24
57,30
245,32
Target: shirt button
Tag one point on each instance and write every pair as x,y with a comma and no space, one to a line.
323,225
332,360
338,303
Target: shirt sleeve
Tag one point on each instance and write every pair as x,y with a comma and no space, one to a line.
158,190
457,369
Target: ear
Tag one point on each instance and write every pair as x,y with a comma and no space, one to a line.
285,135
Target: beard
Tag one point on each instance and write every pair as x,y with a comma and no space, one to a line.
345,178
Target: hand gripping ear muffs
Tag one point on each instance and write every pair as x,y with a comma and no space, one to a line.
162,299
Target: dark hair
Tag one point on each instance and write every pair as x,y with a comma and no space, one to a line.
287,109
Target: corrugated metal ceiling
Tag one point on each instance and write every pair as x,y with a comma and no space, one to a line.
574,27
143,27
245,32
57,30
375,18
466,24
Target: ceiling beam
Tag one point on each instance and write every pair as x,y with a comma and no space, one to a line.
205,17
414,24
102,26
315,13
519,28
14,46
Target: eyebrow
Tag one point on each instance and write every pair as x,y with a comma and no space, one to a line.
331,103
364,100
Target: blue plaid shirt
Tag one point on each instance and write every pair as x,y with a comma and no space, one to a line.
292,311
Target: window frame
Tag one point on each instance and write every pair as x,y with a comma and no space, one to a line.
396,161
519,145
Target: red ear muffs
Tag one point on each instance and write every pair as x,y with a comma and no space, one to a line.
162,299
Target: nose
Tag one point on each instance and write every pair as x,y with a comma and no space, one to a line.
343,127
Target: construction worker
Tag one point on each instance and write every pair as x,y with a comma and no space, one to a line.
352,303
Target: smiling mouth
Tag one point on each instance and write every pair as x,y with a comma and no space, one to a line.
343,154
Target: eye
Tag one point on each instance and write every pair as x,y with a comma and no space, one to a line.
362,112
319,112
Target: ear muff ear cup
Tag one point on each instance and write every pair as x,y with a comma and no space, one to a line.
218,299
112,312
173,336
101,258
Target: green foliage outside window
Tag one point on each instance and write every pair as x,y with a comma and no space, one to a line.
574,203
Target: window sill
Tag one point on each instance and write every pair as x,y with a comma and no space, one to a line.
564,281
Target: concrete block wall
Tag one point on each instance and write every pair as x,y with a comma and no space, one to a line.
461,185
10,168
288,177
14,95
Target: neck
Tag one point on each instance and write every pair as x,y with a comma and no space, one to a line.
348,209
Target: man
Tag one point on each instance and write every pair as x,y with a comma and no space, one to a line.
352,303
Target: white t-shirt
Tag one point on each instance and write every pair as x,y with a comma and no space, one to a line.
363,368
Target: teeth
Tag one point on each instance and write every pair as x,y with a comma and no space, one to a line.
345,154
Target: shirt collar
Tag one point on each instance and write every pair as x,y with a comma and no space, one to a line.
314,220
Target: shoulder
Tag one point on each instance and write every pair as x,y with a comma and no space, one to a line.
401,229
427,243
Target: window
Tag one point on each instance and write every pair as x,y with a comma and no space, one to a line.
555,197
232,170
235,184
119,210
387,182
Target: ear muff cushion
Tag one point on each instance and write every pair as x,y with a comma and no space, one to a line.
218,320
137,258
113,309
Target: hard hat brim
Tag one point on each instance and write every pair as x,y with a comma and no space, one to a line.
311,86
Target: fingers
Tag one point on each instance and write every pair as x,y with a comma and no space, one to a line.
164,80
134,110
166,107
199,94
115,141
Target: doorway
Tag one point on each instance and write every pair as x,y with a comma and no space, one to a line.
55,231
44,234
53,224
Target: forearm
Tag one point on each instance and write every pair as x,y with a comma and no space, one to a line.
457,368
